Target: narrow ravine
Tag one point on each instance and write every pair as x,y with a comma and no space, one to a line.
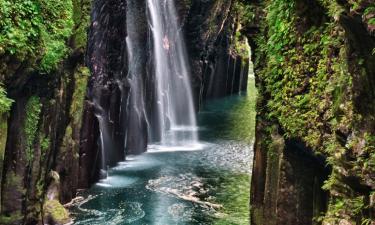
136,112
196,169
183,186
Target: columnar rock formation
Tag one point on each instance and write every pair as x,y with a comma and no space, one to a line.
314,149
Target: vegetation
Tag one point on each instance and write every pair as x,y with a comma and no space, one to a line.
36,28
5,102
36,39
55,212
307,73
33,110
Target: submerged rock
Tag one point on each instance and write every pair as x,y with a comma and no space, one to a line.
187,187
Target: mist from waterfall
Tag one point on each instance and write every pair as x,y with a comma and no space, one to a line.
176,116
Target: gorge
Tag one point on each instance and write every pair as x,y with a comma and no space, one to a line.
187,112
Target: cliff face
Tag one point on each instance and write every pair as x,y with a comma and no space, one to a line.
218,54
314,150
41,53
51,108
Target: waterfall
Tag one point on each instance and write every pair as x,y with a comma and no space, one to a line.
176,120
136,123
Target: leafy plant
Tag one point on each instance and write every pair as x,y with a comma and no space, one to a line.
5,102
36,29
33,110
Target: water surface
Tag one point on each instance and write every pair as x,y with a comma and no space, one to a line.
202,184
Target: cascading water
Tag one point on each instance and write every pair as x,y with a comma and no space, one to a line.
140,85
176,119
136,123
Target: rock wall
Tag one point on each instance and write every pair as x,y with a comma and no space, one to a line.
218,69
42,71
314,149
51,104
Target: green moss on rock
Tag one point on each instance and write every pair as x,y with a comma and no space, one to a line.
55,212
315,67
33,110
5,102
34,28
3,139
11,219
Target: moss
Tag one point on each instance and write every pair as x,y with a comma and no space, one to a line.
34,28
45,143
14,217
3,139
55,212
81,76
33,110
81,18
5,102
310,76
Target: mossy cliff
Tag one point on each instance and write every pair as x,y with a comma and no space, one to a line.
42,86
219,53
314,152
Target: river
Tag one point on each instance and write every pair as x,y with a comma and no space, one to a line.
204,184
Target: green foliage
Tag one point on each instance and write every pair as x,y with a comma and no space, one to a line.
33,110
44,144
302,75
244,12
81,18
241,45
33,28
81,76
5,102
307,76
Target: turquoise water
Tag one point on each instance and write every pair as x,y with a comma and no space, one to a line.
208,184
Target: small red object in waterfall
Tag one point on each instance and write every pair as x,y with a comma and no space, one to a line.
166,43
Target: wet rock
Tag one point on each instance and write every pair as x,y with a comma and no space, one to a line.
186,187
55,213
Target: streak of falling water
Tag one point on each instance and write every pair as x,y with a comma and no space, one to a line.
137,122
175,107
106,142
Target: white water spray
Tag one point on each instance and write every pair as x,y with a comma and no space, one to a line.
175,108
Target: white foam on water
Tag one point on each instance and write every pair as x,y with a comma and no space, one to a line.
158,148
117,181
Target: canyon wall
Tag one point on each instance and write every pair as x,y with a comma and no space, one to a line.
42,52
314,150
